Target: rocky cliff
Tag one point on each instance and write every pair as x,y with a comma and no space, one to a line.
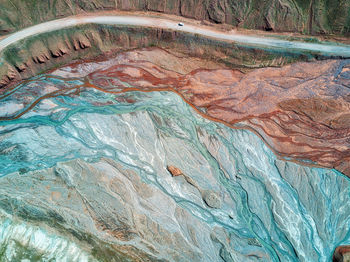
39,53
305,16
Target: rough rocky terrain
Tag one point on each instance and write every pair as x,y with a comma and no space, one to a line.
305,16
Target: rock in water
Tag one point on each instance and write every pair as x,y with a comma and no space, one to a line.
212,199
174,171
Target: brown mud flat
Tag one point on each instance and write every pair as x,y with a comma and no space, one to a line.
301,110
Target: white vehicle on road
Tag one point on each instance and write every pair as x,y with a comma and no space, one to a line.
323,48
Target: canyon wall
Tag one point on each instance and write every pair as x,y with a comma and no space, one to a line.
304,16
39,53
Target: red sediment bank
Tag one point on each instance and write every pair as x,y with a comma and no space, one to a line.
301,111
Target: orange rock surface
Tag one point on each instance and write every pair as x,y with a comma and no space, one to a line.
174,171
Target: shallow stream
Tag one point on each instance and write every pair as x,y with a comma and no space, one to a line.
235,202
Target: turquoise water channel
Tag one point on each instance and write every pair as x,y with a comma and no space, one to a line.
264,209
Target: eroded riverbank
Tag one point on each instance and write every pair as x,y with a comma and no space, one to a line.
48,45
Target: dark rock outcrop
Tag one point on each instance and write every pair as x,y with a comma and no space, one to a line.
342,254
